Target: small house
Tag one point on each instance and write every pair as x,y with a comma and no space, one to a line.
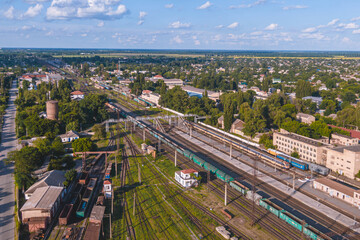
77,95
107,189
187,177
69,136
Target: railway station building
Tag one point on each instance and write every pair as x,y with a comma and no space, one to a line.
338,190
308,149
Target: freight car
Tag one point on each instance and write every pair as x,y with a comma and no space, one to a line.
108,171
239,187
66,214
80,212
293,221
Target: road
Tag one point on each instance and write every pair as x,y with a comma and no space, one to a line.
7,197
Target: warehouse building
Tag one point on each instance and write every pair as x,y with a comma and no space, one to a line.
345,160
338,190
308,149
39,210
53,178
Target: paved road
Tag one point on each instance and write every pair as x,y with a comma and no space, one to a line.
8,143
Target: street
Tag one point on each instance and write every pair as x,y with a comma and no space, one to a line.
8,143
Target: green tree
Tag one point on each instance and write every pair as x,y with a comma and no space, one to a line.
57,147
83,145
228,116
303,89
44,145
295,154
99,131
70,176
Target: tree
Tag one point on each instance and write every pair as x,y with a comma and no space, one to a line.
295,154
228,116
44,146
83,145
99,131
57,147
303,89
26,160
70,176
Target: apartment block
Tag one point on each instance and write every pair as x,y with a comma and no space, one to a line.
339,139
308,149
345,160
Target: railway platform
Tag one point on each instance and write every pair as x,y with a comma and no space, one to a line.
339,217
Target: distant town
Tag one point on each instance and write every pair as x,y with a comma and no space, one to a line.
110,144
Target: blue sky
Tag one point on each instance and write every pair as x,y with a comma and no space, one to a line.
182,24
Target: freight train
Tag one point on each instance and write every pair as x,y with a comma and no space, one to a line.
249,194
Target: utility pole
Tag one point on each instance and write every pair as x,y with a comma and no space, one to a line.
230,150
175,157
139,173
134,205
293,181
112,201
225,199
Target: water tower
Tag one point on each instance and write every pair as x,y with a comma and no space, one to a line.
52,110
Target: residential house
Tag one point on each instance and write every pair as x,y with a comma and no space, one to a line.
187,177
69,136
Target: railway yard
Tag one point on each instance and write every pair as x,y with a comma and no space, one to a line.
239,192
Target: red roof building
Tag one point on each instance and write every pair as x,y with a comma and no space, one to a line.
353,133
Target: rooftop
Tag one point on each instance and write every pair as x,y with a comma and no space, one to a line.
302,139
43,198
348,190
187,171
53,178
341,135
355,148
77,93
70,133
304,115
97,213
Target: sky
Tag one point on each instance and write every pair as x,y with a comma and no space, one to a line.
182,24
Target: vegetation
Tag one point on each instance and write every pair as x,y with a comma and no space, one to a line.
70,176
83,145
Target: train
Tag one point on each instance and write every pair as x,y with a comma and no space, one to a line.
301,164
292,220
280,159
274,161
249,194
108,171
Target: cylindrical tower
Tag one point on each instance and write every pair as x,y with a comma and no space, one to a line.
52,110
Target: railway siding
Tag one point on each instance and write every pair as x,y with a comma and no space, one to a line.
344,220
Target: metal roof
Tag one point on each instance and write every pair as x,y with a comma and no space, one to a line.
53,178
43,198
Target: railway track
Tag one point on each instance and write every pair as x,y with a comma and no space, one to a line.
265,220
330,227
179,194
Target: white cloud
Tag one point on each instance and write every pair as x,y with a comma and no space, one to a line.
316,36
9,14
205,5
355,19
170,5
348,25
177,39
310,30
256,33
141,17
250,5
196,41
332,22
357,31
294,7
346,40
50,33
233,25
219,26
101,24
216,37
84,35
178,24
98,9
33,11
272,26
